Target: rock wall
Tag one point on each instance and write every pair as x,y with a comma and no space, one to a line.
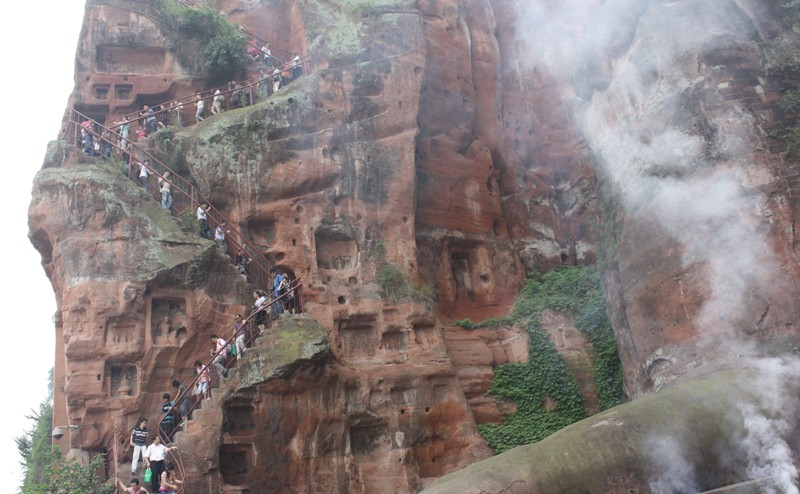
376,159
678,105
430,137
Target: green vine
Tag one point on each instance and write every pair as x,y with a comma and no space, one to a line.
543,391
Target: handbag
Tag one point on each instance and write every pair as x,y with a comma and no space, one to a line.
148,474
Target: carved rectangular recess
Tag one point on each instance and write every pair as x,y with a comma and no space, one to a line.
358,332
369,436
122,332
100,91
394,340
123,379
239,417
123,91
404,395
168,321
336,245
426,334
235,463
262,231
336,254
460,261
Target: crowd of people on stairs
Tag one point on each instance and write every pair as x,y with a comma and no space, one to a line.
117,142
159,473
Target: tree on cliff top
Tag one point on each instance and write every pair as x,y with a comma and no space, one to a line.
203,40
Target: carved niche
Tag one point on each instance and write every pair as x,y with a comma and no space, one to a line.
168,321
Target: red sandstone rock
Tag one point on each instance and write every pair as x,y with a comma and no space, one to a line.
415,140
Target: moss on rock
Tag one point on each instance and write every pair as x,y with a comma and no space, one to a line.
289,344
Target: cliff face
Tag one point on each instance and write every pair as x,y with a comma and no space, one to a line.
678,104
431,136
389,152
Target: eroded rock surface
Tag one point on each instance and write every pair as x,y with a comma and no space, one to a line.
693,437
428,137
374,159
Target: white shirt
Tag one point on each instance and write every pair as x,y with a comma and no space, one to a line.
156,452
219,234
221,346
143,171
201,213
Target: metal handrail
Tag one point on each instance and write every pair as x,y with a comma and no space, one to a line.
174,409
182,189
175,456
250,85
248,34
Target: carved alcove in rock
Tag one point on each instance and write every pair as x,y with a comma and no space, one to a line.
122,379
167,319
358,332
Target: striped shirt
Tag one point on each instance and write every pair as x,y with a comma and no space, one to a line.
139,436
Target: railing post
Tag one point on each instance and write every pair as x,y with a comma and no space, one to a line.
300,307
116,464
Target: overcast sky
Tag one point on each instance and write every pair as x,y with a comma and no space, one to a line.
39,42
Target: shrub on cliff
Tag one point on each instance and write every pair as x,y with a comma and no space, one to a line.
203,40
45,470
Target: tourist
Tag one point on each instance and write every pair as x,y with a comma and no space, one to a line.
86,138
219,237
134,488
163,117
277,307
286,73
276,80
168,421
154,456
105,144
259,307
202,388
297,68
216,102
139,443
240,335
124,131
199,107
143,173
151,120
166,191
202,219
252,49
241,262
178,106
220,352
183,399
267,55
289,299
236,94
169,482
